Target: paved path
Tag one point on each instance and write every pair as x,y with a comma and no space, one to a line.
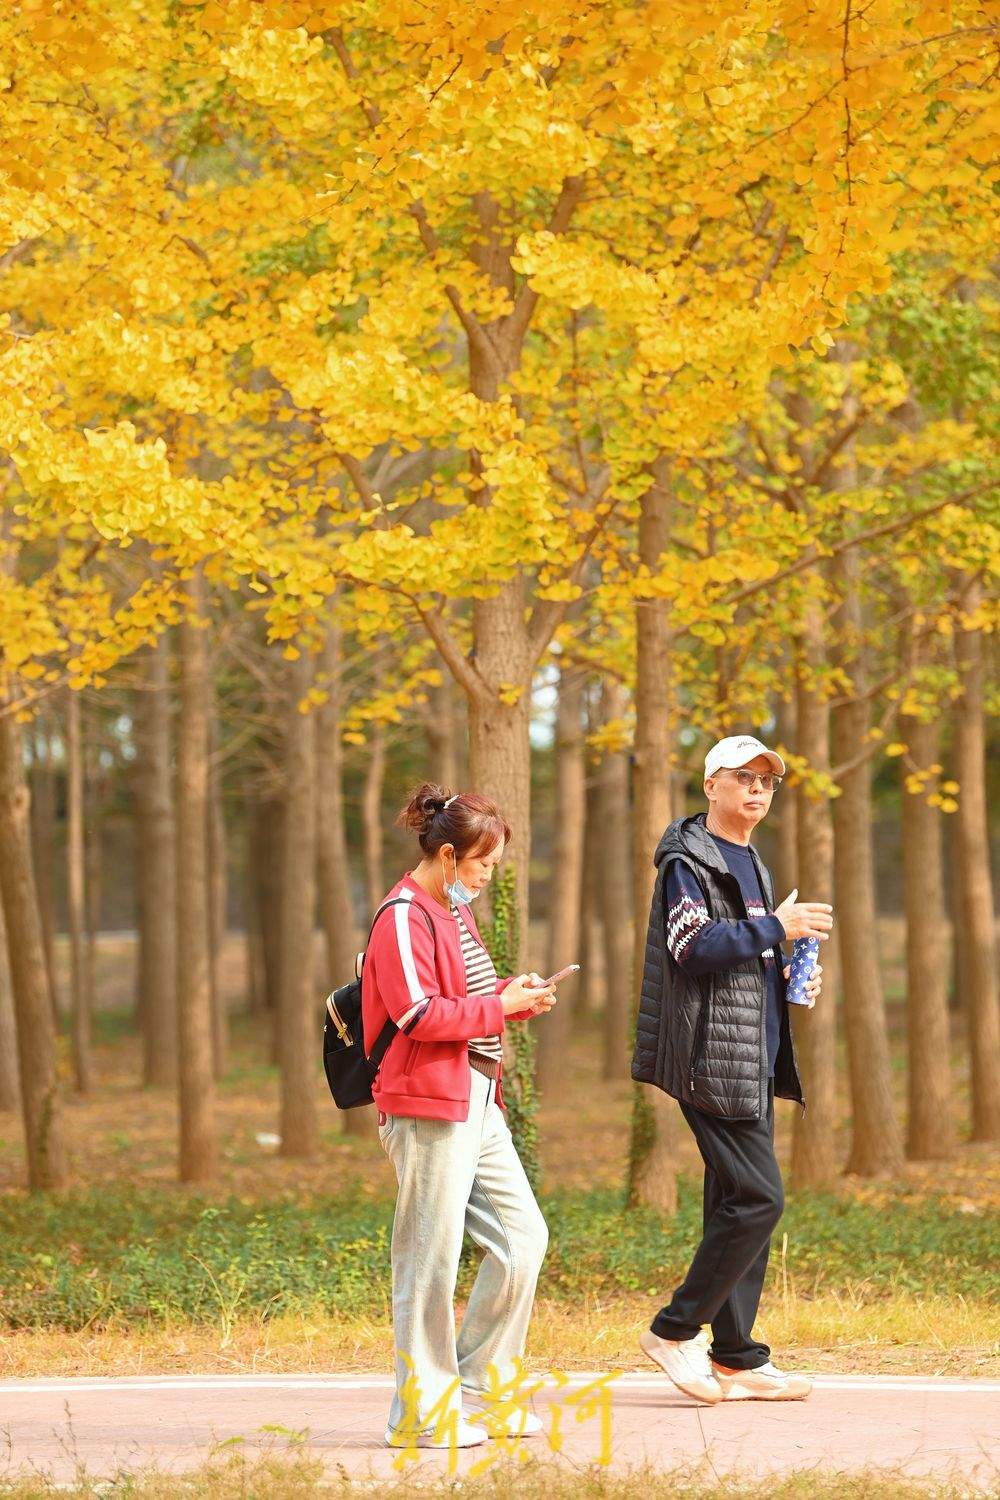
919,1425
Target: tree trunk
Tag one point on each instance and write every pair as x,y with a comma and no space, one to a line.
444,736
876,1146
10,1091
652,1175
36,1035
218,891
615,897
814,1132
95,792
333,864
591,936
256,981
76,898
567,870
976,931
371,817
156,836
786,831
499,746
43,847
268,854
497,679
930,1120
198,1133
500,768
960,988
298,1045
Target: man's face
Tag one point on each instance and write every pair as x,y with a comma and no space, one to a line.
736,803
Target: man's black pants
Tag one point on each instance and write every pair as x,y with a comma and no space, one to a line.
744,1200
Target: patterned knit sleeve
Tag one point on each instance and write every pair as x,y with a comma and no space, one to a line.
701,945
687,913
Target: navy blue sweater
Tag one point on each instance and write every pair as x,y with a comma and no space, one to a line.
702,946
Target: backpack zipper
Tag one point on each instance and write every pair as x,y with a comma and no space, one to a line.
338,1021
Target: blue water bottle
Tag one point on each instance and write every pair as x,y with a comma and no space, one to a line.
804,954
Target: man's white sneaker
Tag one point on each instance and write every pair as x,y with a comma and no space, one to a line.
686,1362
465,1436
497,1423
765,1383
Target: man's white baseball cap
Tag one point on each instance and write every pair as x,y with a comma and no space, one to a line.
731,753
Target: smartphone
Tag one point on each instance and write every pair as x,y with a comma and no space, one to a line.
561,974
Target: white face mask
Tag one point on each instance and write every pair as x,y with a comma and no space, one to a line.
458,893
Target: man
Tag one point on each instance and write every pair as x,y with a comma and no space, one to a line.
713,1032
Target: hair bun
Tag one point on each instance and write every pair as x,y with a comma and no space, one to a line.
468,821
423,807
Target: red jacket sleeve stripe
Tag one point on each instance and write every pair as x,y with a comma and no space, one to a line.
409,987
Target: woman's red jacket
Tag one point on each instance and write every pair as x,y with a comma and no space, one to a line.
415,973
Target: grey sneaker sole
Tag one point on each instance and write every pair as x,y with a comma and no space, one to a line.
698,1390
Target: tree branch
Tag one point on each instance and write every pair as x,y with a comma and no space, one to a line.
474,330
516,324
787,494
435,623
369,498
590,664
371,111
769,269
465,672
819,471
548,614
17,252
911,659
888,529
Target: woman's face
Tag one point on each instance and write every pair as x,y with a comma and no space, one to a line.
474,870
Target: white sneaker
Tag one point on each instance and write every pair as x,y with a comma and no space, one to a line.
765,1383
464,1436
686,1362
516,1423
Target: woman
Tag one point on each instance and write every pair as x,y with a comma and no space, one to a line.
440,1123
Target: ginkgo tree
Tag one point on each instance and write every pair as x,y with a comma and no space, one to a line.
668,199
711,183
830,469
258,249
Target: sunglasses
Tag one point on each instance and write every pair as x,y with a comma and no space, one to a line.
747,779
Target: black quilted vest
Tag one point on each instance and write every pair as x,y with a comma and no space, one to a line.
701,1038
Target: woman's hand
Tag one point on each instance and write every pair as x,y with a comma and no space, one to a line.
814,983
540,989
527,993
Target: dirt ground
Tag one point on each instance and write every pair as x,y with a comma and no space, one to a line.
128,1133
126,1128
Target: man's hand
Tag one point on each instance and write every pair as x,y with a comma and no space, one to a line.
804,918
814,983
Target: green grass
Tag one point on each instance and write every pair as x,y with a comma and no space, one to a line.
134,1257
268,1478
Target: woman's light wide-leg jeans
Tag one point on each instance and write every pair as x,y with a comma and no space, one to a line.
456,1178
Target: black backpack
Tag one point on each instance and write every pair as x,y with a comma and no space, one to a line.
349,1072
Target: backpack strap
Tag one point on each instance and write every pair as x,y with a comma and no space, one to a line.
381,1047
390,1029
